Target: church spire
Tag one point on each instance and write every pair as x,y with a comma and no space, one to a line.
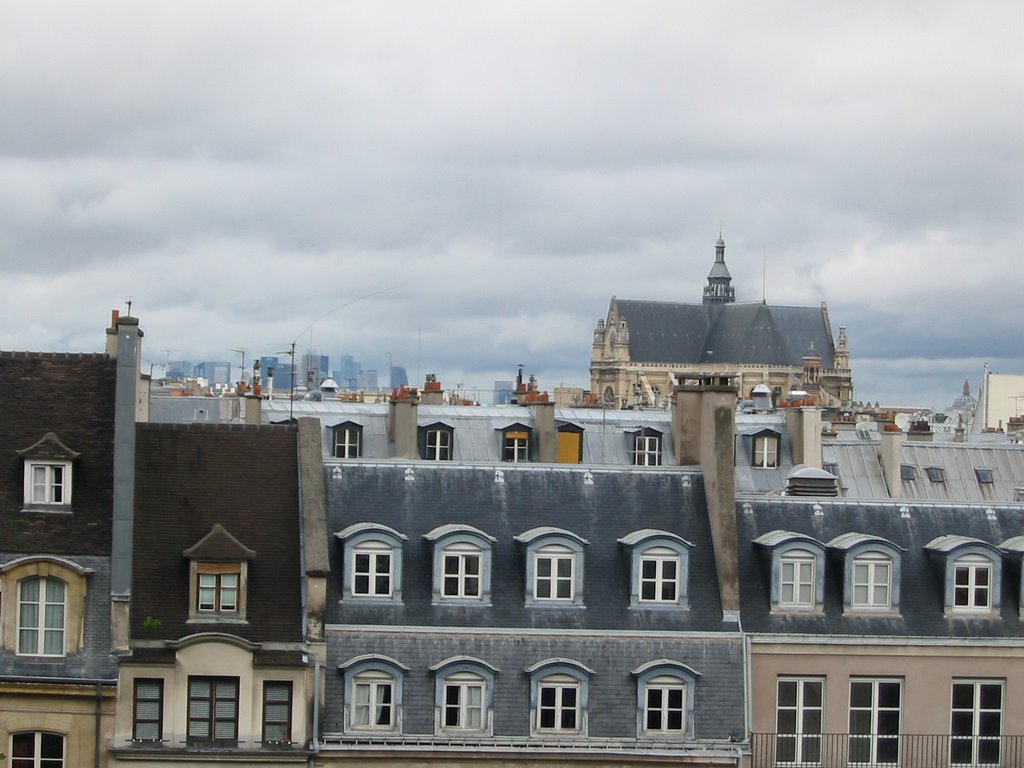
719,289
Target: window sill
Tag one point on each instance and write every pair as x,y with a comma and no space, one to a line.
380,602
554,604
461,602
235,620
797,610
655,606
51,509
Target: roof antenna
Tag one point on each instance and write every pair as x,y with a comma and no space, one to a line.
129,303
764,276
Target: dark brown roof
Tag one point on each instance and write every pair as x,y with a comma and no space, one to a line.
190,478
72,397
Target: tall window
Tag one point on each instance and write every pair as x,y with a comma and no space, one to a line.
558,704
41,616
372,569
438,444
213,709
464,704
799,721
37,749
766,451
49,483
872,580
373,700
665,705
875,722
277,712
796,579
348,441
972,583
976,723
659,575
647,449
554,567
516,446
461,571
148,710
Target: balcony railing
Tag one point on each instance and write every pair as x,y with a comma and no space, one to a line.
846,750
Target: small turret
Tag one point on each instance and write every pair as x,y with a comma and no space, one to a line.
719,289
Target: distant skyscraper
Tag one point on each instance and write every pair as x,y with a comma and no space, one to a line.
179,370
503,392
368,380
214,371
399,378
347,373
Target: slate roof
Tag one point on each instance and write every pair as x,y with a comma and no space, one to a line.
910,526
744,333
72,397
190,478
598,506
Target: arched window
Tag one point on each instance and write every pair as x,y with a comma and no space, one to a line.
42,616
554,566
462,565
372,562
665,699
373,694
660,567
559,697
464,695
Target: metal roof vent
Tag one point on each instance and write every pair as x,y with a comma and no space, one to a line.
762,396
811,481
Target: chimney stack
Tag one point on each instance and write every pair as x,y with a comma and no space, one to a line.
402,425
890,454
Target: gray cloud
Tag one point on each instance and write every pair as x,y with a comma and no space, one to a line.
240,169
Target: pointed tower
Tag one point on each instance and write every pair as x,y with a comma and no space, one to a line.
719,289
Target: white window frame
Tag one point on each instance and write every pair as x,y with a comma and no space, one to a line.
37,759
765,451
647,449
462,575
375,553
980,735
802,565
872,579
469,715
867,722
50,620
971,566
803,743
546,548
437,443
42,494
659,558
666,686
463,675
554,567
373,694
348,441
515,446
559,687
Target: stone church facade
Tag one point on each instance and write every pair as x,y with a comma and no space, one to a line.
643,349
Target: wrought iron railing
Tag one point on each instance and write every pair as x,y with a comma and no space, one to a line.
846,750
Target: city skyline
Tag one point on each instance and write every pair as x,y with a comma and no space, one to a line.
465,187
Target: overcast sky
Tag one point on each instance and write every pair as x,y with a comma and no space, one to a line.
240,169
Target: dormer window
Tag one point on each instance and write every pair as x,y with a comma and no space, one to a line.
936,474
515,444
908,472
462,565
218,576
984,475
48,466
765,450
348,441
973,574
436,441
797,571
554,567
660,566
646,448
871,572
372,563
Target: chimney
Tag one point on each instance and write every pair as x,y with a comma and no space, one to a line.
432,393
704,425
544,425
890,455
128,338
803,425
252,406
112,334
315,544
920,432
402,423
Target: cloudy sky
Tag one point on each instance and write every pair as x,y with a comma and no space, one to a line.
500,170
